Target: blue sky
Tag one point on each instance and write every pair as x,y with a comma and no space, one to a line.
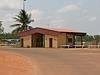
82,15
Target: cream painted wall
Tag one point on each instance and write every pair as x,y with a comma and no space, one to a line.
59,40
26,41
47,41
63,39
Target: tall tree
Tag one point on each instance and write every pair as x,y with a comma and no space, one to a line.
1,28
23,19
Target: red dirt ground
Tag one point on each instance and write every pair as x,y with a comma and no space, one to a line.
14,64
45,61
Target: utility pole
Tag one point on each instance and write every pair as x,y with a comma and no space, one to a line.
48,25
24,4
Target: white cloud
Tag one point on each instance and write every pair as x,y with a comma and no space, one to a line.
57,21
69,8
11,4
36,13
37,16
92,19
8,9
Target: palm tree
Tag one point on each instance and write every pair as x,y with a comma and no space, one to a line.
23,20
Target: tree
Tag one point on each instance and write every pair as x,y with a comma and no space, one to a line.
97,39
1,28
23,20
8,36
87,38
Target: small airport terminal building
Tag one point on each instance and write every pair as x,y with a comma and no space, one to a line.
48,38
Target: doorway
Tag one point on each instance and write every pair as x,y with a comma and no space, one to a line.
22,42
50,42
37,40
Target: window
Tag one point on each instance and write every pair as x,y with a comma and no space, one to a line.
69,40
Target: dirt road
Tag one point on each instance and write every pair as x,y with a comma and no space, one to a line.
62,61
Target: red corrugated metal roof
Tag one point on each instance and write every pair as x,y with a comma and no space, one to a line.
38,30
62,30
48,31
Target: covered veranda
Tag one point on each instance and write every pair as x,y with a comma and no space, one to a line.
73,40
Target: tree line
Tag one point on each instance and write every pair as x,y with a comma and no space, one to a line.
90,38
8,36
